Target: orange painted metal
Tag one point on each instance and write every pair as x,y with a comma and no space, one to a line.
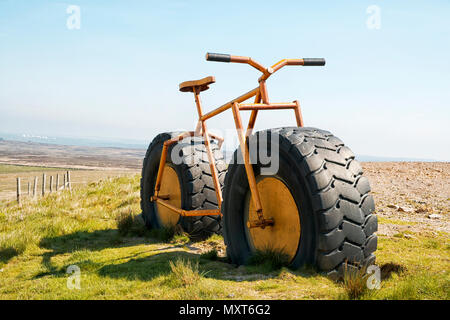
248,166
264,106
298,114
228,105
260,93
250,61
253,115
219,139
188,213
263,92
260,223
280,64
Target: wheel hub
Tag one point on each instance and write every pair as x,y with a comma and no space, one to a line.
281,231
170,189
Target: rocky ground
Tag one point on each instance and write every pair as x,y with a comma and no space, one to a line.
413,196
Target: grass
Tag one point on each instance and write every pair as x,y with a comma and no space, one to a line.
12,168
97,227
355,282
210,255
269,259
184,273
396,222
129,224
79,178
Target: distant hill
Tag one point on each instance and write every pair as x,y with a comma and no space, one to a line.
143,144
82,142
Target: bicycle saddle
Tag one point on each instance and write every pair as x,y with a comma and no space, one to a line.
201,85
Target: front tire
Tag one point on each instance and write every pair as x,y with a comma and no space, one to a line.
189,183
318,195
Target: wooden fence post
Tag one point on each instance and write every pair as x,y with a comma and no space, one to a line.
28,188
64,184
43,184
57,182
35,186
18,190
68,181
51,184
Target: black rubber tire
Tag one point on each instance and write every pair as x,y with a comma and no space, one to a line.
336,210
197,187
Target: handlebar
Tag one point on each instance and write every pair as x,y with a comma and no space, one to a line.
313,62
220,57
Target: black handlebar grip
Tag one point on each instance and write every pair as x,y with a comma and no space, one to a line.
219,57
313,61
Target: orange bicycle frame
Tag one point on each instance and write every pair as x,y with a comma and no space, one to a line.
261,102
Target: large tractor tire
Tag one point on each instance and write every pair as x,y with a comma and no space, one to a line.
188,182
319,200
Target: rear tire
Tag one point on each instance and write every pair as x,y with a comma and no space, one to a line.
336,211
194,180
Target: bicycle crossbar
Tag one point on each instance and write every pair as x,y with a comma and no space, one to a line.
186,213
228,105
261,102
271,106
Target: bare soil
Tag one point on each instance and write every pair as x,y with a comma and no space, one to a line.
410,196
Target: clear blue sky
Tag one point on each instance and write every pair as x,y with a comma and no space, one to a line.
384,91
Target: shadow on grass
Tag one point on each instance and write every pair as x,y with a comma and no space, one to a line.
145,269
7,254
82,240
148,267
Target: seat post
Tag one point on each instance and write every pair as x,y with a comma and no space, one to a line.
198,102
198,128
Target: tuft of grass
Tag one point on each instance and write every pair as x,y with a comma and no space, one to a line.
184,273
210,255
180,238
165,234
124,222
355,281
286,274
129,224
15,243
214,240
270,259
